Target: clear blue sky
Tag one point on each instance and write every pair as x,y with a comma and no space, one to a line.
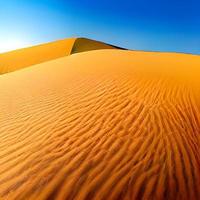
156,25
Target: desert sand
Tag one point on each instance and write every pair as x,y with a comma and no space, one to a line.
18,59
102,124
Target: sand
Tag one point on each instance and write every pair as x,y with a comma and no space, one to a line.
103,124
19,59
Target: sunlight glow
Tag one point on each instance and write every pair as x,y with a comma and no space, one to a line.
12,44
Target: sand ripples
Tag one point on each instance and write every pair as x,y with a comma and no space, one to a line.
85,133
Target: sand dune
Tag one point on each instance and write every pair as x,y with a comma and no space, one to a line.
104,124
83,44
26,57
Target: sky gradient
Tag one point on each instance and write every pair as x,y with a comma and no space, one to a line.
157,25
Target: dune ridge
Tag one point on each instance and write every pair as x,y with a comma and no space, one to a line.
84,44
18,59
106,124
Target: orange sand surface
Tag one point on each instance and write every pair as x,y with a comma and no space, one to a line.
102,124
26,57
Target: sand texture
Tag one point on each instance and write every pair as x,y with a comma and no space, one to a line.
18,59
102,125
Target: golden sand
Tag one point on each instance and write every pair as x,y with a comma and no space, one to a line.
18,59
104,124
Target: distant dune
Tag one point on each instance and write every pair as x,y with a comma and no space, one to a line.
102,124
26,57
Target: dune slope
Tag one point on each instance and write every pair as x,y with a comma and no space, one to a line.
18,59
84,44
106,124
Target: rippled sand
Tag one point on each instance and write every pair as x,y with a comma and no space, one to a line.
103,124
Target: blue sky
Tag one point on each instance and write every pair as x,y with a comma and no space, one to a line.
154,25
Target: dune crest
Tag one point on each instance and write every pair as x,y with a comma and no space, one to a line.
84,44
105,124
18,59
